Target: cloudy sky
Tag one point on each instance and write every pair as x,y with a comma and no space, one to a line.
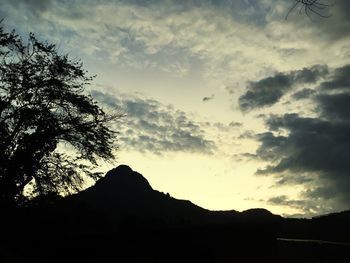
227,102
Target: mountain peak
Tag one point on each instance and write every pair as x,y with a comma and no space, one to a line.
123,177
121,169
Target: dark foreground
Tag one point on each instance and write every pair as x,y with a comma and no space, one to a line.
210,244
122,219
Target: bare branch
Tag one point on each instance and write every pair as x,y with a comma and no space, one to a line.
309,7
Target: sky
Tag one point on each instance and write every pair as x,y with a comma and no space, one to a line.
227,103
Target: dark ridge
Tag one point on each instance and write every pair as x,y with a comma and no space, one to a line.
259,215
121,218
343,215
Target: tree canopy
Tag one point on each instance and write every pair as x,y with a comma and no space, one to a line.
51,132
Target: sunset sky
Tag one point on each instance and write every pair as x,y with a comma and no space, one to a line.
227,103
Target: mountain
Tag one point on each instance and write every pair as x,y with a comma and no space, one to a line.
124,198
123,219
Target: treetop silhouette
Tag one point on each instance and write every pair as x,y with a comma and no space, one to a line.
52,133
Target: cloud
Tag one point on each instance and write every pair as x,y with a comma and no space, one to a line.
339,79
33,8
315,154
205,99
334,106
235,124
313,151
247,135
244,157
33,5
224,41
303,94
150,126
335,27
285,201
224,127
310,208
268,91
310,9
311,145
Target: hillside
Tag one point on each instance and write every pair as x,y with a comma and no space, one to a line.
123,218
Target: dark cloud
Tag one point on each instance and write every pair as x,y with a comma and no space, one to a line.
305,205
205,99
268,91
339,26
34,6
285,201
270,147
339,79
343,9
303,94
312,145
334,106
265,92
151,126
313,151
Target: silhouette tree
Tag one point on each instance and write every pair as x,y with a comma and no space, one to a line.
51,133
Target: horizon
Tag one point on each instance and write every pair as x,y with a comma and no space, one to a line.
228,104
211,210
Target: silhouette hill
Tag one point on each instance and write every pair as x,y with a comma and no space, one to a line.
121,218
125,199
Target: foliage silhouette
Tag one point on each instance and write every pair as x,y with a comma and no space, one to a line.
43,109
